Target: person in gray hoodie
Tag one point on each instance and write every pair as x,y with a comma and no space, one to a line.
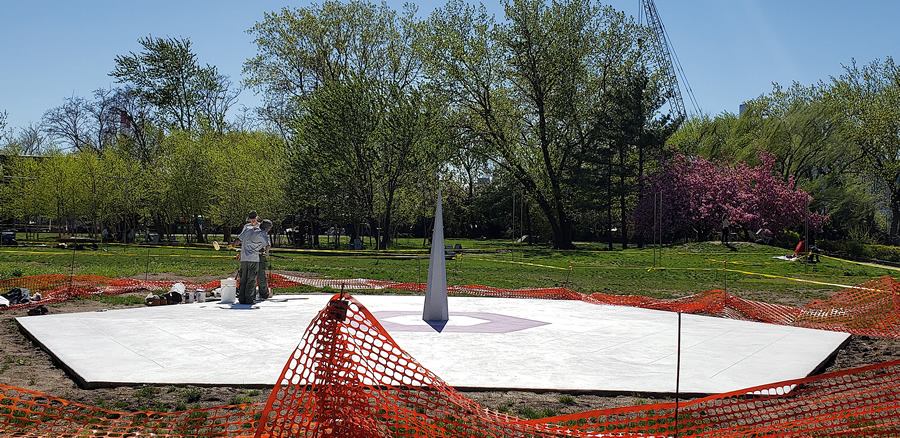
253,242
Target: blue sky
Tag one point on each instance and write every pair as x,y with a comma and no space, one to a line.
730,50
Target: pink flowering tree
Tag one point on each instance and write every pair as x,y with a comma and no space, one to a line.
696,194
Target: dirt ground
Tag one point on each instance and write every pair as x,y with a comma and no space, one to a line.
24,365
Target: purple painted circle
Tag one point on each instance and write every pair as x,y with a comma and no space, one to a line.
493,323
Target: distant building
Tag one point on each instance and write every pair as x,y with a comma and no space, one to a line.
124,123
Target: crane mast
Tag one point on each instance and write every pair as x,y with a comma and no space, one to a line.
663,56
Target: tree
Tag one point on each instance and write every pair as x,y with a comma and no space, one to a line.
3,126
108,119
697,193
58,188
466,169
140,136
528,89
799,126
301,49
867,103
86,125
364,148
71,124
626,134
167,75
248,172
715,137
344,76
19,187
187,169
29,140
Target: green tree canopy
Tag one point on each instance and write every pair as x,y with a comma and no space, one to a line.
867,102
529,89
167,75
346,78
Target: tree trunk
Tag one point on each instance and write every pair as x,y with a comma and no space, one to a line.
385,232
161,231
623,196
226,232
639,237
201,238
526,216
609,203
386,224
559,224
895,213
622,205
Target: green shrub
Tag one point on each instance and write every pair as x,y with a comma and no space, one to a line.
146,392
240,400
567,400
856,249
191,394
789,239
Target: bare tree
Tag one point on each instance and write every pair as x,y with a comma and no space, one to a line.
72,124
106,117
136,130
29,140
32,141
217,97
246,120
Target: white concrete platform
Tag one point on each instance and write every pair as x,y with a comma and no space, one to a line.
488,343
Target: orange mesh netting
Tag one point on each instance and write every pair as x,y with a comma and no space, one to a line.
871,308
348,378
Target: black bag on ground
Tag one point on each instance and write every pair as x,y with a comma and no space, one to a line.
18,295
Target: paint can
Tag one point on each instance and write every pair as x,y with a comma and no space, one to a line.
229,289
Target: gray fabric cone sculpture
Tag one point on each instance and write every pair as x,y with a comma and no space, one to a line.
436,288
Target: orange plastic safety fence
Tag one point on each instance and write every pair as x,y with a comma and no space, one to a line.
859,402
348,378
26,413
871,308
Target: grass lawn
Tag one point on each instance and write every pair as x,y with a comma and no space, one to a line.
744,269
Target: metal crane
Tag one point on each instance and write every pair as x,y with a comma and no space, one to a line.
667,62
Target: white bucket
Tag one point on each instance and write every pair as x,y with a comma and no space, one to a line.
229,288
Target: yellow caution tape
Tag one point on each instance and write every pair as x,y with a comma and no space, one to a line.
739,262
788,278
